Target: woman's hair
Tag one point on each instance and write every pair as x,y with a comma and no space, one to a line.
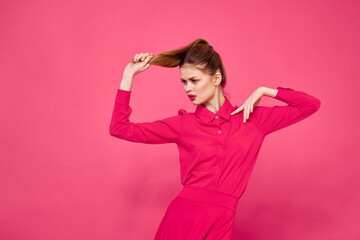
199,53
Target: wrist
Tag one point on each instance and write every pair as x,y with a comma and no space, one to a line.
269,91
128,74
126,81
262,90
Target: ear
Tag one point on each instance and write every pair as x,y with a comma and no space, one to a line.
218,77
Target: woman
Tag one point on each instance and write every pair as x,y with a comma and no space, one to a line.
218,142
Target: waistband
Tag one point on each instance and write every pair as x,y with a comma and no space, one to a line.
209,196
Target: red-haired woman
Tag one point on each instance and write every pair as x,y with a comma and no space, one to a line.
218,142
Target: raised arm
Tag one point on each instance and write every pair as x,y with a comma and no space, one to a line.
166,130
160,131
300,106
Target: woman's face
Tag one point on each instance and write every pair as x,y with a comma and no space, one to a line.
197,83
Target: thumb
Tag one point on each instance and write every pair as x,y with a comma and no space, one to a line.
147,66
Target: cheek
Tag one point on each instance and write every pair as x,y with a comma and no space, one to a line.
202,87
205,89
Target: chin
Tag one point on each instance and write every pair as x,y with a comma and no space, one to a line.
196,102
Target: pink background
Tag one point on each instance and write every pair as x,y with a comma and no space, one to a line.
62,176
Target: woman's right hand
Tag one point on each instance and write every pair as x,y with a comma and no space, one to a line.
139,63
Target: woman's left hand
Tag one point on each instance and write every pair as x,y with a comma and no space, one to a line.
250,103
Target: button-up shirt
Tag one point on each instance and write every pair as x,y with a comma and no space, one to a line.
217,150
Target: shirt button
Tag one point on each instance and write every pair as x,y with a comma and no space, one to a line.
216,116
219,131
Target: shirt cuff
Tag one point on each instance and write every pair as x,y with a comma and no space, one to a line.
284,94
122,97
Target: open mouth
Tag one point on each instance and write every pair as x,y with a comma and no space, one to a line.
192,97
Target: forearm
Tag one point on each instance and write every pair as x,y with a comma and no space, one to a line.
300,105
269,91
126,81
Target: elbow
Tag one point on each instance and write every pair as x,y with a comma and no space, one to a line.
112,130
317,104
117,132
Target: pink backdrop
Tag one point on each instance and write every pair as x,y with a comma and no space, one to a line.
62,176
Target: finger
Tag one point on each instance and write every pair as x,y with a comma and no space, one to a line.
244,115
247,110
140,56
147,59
144,56
250,108
234,112
147,66
136,57
240,109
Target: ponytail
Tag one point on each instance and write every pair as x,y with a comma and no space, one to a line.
199,53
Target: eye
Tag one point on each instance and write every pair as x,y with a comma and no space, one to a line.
193,81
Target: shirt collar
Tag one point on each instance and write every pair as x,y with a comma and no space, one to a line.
206,115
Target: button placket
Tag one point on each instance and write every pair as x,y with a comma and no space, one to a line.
217,121
221,156
220,147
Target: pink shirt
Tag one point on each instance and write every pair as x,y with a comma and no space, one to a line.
217,151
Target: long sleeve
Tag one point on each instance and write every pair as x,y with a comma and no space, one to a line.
166,130
300,106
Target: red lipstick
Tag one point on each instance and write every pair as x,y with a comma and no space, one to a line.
192,97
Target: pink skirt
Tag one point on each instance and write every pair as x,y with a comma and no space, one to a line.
197,214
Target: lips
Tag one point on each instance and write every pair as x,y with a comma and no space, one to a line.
192,97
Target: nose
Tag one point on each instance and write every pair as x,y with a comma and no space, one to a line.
187,88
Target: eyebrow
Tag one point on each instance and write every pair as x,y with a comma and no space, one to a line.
189,78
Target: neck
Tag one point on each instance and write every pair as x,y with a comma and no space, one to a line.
215,103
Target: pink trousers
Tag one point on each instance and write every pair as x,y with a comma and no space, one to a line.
197,214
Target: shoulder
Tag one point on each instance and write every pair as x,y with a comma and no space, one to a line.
185,114
260,111
182,112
